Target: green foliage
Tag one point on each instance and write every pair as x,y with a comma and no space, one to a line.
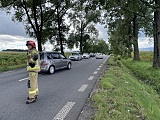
102,47
120,17
83,19
73,40
116,57
43,19
99,46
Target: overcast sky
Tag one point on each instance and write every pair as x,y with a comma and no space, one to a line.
13,36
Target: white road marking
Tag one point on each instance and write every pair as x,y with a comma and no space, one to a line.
64,111
98,68
23,79
91,78
82,88
95,72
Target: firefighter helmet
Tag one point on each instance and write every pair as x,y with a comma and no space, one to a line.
32,43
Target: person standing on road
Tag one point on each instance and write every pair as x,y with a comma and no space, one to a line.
33,68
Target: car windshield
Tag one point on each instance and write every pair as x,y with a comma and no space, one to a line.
99,54
75,54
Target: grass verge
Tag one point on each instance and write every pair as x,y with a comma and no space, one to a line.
121,96
144,71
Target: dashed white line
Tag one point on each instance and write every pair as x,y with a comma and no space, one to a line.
82,88
98,68
23,79
95,72
91,78
64,111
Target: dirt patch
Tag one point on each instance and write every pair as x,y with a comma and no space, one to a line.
88,112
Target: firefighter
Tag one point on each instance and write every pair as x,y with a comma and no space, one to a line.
33,68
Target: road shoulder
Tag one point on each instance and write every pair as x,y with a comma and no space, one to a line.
88,110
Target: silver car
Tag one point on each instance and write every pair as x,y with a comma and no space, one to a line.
52,61
75,56
99,56
85,56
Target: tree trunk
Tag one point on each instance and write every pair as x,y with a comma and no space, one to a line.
135,37
39,45
37,29
60,38
39,40
156,57
129,45
81,40
59,31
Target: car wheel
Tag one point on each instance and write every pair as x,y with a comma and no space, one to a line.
51,70
69,66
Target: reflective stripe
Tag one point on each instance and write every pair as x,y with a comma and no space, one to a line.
33,91
29,68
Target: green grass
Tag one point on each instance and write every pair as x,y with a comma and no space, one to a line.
144,71
122,96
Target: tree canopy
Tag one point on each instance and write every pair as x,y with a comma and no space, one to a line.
52,20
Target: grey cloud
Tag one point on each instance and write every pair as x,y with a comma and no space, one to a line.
7,26
7,40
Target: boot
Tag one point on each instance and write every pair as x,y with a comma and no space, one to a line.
31,100
34,97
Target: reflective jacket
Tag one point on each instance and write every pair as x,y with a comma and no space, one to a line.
33,58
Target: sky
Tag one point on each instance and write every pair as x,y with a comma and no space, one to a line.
13,36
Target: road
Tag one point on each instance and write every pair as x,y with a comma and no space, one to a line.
62,95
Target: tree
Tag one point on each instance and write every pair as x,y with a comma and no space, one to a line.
102,47
131,13
35,14
58,21
156,58
84,20
154,28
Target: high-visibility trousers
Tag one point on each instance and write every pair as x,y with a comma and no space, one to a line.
33,84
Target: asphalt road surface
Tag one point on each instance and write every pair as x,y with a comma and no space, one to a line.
62,95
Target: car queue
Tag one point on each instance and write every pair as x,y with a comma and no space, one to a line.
52,61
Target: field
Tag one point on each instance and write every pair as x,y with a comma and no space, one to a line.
12,60
146,56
